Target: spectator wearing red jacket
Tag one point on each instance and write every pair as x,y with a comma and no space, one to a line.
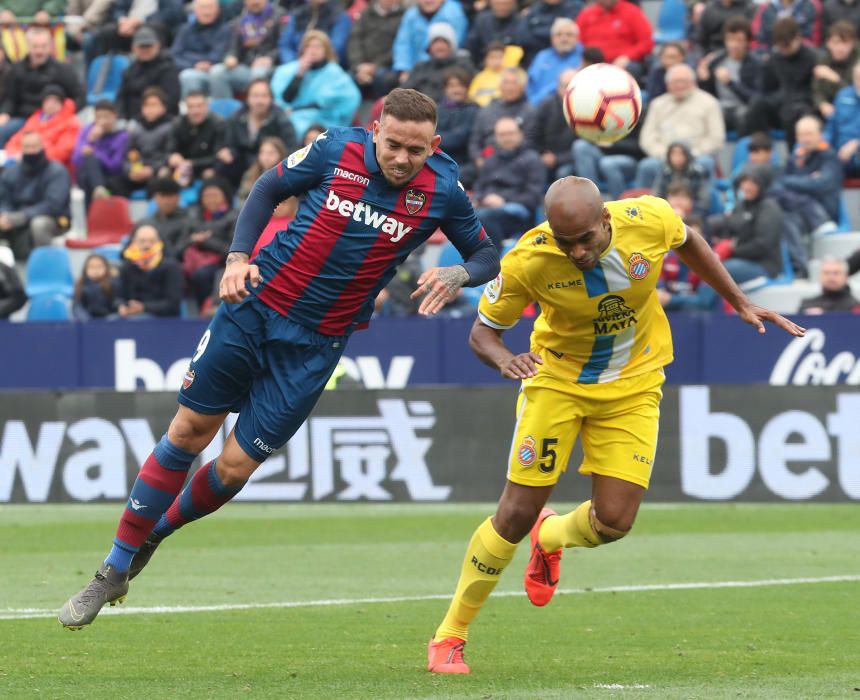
621,30
56,122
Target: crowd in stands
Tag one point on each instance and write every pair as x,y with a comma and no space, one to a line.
210,94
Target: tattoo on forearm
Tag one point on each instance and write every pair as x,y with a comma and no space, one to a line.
453,277
236,256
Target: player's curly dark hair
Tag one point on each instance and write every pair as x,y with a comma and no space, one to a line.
409,106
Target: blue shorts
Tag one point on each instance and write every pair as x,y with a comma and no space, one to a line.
254,361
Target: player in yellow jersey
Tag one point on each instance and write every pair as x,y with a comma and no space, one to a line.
595,369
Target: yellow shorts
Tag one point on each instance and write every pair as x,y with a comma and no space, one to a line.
617,421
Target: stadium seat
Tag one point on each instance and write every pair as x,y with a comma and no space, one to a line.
671,22
104,76
844,223
785,298
49,272
108,220
189,195
109,252
741,154
717,204
224,106
48,307
786,275
449,255
839,245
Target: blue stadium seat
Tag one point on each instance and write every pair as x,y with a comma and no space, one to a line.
48,307
190,195
224,106
717,204
671,22
784,277
49,272
109,252
104,76
449,255
844,223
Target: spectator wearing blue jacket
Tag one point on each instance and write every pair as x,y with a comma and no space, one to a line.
326,16
200,45
314,89
564,53
410,44
814,168
843,128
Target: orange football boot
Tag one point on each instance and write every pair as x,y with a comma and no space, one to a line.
543,569
446,656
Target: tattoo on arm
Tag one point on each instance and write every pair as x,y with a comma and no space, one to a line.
236,256
453,277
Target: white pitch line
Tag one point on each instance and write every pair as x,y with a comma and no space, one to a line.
33,613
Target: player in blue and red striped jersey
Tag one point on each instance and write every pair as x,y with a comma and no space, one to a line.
369,200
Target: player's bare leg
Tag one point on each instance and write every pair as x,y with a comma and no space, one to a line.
160,479
212,486
490,550
607,517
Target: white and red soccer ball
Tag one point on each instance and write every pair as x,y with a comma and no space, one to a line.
602,103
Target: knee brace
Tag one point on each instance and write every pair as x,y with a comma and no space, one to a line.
607,534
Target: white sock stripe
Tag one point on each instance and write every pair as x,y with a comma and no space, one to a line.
33,613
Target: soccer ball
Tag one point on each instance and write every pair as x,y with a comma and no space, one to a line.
602,103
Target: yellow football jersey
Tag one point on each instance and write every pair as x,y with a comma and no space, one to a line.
606,321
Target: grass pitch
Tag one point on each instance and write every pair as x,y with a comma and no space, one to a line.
354,592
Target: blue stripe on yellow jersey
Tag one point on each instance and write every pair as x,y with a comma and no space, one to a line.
606,322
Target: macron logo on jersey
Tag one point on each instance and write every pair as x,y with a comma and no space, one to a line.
355,177
363,213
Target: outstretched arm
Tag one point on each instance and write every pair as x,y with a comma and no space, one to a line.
698,256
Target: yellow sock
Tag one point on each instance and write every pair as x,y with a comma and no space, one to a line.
486,557
571,530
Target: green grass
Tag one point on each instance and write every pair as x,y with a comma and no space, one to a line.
775,641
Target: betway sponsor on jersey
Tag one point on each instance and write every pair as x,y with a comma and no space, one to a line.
364,213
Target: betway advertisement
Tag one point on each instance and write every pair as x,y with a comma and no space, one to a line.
719,443
152,355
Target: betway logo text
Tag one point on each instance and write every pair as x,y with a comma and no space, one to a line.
361,212
132,372
795,453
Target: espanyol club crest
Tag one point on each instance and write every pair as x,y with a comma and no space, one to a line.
414,200
638,267
526,452
188,379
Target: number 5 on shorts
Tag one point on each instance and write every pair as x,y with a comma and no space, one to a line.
547,455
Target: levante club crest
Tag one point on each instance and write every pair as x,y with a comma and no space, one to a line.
414,200
638,267
188,379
